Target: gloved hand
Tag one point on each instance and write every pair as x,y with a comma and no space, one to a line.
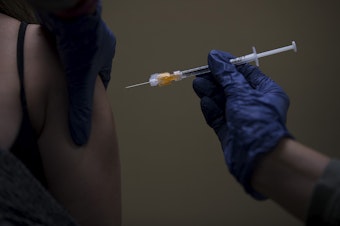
86,47
246,109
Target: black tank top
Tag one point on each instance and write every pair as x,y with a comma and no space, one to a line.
25,147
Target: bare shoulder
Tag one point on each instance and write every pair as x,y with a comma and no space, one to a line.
41,57
40,43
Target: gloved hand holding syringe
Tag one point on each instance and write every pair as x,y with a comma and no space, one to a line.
166,78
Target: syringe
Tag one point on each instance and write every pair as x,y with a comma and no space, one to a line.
166,78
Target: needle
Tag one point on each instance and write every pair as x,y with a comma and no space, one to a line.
140,84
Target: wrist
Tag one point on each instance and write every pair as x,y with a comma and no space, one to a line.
269,138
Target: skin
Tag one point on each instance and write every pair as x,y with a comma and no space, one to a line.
288,175
85,180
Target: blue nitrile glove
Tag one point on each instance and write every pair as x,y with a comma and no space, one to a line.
246,109
86,47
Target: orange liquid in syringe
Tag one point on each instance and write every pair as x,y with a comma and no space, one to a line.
166,78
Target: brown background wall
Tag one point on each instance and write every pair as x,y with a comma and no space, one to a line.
173,170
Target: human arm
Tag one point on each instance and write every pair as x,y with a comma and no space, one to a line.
303,181
247,110
289,174
84,179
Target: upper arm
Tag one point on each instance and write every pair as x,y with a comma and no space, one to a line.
85,179
10,114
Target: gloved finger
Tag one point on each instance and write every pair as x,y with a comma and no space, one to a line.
80,108
282,103
203,86
105,75
226,73
259,81
207,86
253,75
213,114
107,54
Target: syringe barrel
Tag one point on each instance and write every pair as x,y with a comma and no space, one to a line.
244,59
195,71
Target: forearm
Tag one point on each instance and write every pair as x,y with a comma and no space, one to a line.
288,175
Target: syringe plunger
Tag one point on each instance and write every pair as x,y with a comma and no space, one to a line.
255,56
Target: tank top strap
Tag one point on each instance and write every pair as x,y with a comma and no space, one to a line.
25,147
20,63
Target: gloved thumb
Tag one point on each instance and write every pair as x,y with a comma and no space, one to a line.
225,73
